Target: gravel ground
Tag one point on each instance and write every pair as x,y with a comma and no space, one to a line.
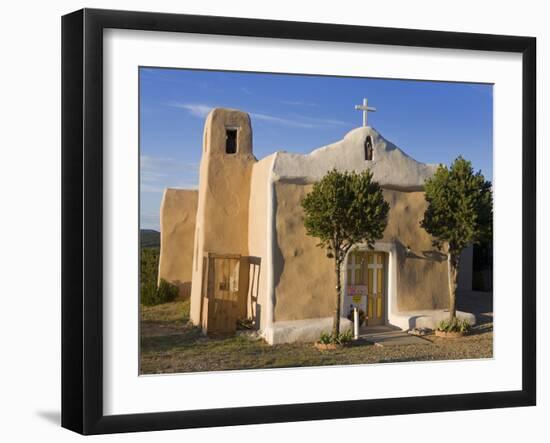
179,354
169,345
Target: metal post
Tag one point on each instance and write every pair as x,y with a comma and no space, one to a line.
355,323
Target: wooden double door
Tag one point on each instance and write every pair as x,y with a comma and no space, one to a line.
366,274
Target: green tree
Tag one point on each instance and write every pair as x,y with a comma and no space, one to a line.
344,209
459,213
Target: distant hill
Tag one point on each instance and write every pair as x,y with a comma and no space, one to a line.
149,238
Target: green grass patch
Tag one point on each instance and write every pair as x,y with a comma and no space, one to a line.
176,311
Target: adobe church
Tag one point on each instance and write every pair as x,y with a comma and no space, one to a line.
238,248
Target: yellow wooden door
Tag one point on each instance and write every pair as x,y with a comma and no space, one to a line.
375,288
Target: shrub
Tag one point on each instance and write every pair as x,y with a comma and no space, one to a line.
344,337
454,325
340,339
325,338
149,293
167,292
153,295
148,275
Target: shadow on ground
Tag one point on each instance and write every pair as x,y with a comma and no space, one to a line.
478,303
176,337
54,417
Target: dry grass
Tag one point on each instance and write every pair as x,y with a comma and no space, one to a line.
170,344
177,311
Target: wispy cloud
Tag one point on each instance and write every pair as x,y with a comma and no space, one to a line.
296,103
159,173
197,110
201,110
298,120
280,120
320,121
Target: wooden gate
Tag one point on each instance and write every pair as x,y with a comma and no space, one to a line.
224,293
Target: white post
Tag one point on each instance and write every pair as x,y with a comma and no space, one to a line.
355,323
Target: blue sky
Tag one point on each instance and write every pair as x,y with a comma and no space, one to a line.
433,122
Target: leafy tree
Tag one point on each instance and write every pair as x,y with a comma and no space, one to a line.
459,213
343,209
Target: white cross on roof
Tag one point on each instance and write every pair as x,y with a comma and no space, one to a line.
365,108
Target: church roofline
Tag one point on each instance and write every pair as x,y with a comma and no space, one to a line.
391,166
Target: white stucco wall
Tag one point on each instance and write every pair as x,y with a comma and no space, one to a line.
259,248
391,167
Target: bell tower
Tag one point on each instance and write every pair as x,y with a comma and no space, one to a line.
224,193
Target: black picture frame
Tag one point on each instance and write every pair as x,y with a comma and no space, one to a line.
82,218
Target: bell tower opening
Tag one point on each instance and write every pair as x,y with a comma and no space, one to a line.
231,140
